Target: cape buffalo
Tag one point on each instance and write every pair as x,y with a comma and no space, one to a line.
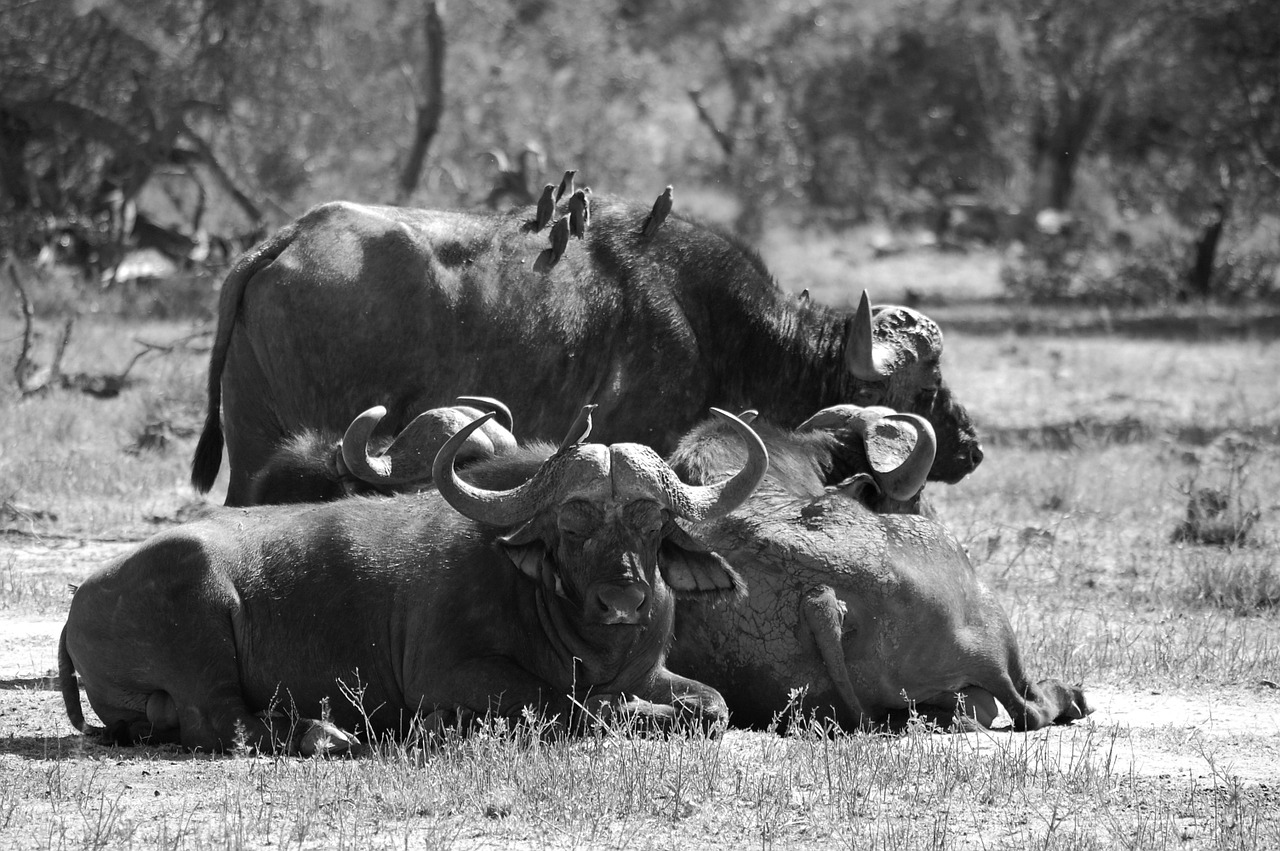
353,305
875,614
315,466
553,593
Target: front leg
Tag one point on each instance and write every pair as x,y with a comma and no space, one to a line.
670,700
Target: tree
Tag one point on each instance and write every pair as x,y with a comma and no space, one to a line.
430,102
97,96
1074,58
1198,131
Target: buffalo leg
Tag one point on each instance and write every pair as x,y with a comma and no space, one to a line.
671,698
1035,705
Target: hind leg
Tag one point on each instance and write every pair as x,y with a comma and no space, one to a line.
1037,705
967,709
223,722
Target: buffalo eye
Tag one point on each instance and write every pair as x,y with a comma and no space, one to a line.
578,520
646,517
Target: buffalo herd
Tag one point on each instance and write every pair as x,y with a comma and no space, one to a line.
417,566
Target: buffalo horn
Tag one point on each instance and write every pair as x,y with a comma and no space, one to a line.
488,403
707,502
901,478
861,355
495,508
749,415
408,459
355,448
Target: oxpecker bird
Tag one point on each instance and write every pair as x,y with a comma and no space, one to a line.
658,214
579,213
546,207
559,241
566,185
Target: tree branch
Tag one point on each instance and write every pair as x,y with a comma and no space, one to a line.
430,107
252,208
724,140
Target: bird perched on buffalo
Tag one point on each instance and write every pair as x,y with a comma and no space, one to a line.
559,241
657,215
546,207
579,213
566,185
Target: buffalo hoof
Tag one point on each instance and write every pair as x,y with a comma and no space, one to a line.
1078,708
324,739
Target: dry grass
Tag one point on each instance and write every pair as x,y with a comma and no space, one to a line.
63,454
1074,535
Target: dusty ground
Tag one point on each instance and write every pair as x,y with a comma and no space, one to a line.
1210,734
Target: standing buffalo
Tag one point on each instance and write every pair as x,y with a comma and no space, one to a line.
352,306
555,592
876,614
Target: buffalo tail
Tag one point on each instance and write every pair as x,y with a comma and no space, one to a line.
67,681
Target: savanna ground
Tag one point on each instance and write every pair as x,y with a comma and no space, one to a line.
1097,427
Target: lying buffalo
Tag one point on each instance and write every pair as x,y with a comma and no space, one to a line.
352,306
315,466
875,614
556,592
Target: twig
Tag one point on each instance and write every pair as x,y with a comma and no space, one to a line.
25,364
24,356
55,369
180,343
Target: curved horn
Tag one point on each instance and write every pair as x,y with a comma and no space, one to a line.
496,508
900,448
707,502
845,416
355,448
488,403
860,351
837,416
824,615
408,459
749,415
579,430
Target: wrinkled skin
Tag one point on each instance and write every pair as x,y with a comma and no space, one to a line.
353,306
208,627
886,603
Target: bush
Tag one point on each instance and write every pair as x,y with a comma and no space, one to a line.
1139,263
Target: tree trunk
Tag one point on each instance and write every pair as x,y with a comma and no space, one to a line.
1200,277
430,106
15,133
1059,136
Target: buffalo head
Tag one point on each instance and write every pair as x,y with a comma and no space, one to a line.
894,355
313,466
598,523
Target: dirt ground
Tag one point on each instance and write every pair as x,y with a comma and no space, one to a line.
1210,734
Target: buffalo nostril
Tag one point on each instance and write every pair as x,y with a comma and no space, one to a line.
976,454
624,603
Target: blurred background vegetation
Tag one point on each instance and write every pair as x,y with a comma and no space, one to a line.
1115,152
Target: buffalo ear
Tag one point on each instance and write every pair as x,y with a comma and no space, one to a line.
525,549
691,570
861,487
